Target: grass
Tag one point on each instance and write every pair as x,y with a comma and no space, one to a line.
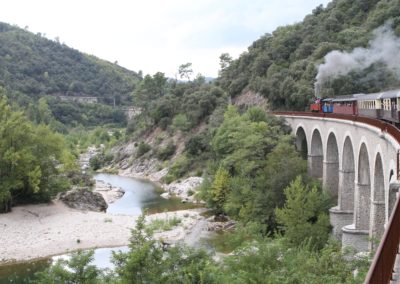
163,224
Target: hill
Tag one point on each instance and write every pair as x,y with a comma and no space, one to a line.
283,66
36,66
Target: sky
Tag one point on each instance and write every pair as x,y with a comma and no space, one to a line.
157,35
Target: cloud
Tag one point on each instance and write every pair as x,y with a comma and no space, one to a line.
157,35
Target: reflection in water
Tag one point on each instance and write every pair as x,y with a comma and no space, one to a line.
23,272
137,194
140,194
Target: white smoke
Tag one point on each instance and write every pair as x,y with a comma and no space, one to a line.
384,48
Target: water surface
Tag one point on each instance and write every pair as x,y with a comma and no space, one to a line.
139,194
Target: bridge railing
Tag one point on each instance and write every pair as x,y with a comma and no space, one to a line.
381,269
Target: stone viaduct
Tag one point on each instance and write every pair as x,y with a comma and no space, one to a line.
357,160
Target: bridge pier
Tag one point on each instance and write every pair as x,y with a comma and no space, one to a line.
342,214
352,237
377,222
315,165
331,177
338,219
357,235
362,206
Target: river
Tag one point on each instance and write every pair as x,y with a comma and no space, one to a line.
139,194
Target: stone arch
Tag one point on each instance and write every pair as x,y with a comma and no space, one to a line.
315,159
331,166
301,142
378,200
347,177
363,191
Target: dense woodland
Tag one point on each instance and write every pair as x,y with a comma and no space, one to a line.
36,66
252,171
282,66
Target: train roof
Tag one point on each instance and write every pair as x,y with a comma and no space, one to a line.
346,98
376,96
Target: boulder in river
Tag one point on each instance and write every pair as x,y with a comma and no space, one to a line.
84,199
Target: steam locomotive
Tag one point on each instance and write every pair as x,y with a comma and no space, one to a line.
383,105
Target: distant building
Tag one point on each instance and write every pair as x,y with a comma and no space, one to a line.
87,100
131,112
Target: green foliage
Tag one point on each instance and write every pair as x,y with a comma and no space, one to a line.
32,159
270,261
147,262
197,144
166,152
261,161
34,65
255,260
143,148
304,216
180,122
242,144
178,169
185,71
77,269
282,66
100,160
220,189
163,224
75,114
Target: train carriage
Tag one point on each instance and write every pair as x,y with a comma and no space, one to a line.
369,105
382,105
390,101
345,105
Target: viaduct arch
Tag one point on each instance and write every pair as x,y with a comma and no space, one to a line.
357,162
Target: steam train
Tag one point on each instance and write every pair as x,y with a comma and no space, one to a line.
383,105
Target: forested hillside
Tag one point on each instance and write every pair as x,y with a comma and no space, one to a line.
35,66
282,66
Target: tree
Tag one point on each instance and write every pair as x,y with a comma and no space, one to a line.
76,270
220,189
304,217
32,159
224,61
185,71
148,262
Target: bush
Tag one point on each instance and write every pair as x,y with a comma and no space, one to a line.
166,152
164,123
196,144
180,122
143,148
304,216
100,160
178,169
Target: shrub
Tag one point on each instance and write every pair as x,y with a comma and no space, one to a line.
166,152
178,169
143,148
196,144
180,122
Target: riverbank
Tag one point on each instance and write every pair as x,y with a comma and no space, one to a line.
38,231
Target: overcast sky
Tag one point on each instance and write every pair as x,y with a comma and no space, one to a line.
157,35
